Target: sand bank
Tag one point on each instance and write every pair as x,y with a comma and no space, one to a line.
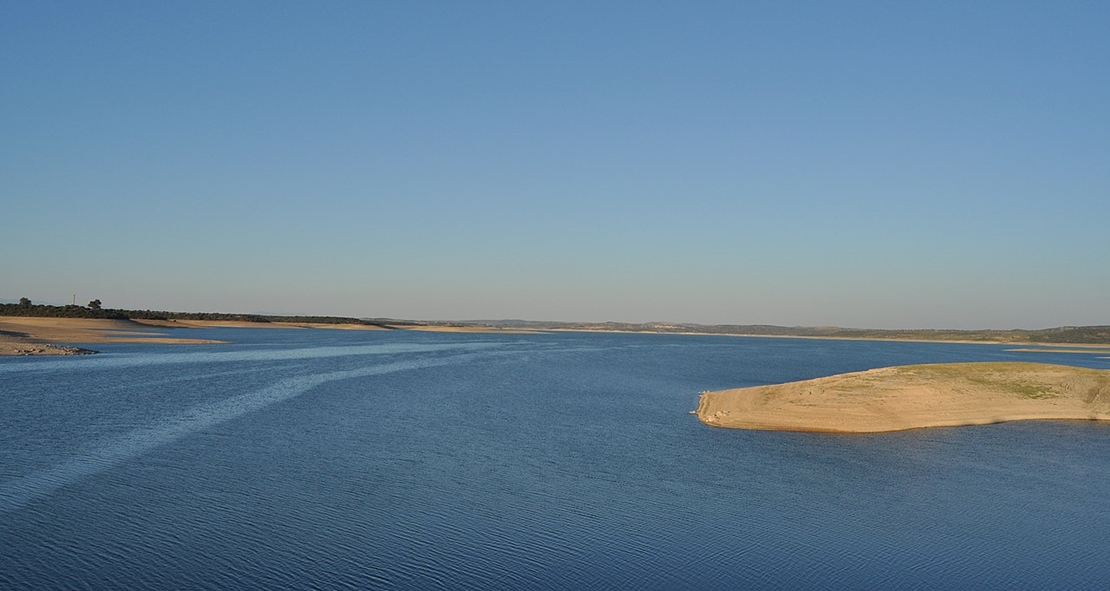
21,335
248,324
40,336
913,397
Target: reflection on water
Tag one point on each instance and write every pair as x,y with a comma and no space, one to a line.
301,459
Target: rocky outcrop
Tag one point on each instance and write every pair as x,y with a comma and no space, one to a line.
30,349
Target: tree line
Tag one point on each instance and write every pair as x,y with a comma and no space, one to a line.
95,309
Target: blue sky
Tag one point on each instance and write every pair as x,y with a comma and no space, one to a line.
869,164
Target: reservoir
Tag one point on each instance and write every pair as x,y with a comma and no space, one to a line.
328,459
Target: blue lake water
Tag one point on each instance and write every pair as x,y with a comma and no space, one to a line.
300,459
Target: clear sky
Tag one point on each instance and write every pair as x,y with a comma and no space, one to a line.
867,164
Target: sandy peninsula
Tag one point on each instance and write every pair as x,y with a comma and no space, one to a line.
42,336
913,397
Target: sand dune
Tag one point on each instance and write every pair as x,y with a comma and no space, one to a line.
915,396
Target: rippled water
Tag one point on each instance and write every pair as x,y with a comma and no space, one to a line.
396,460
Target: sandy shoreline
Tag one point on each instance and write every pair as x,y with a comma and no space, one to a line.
248,324
329,326
23,335
45,336
914,397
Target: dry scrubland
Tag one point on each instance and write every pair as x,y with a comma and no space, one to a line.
915,396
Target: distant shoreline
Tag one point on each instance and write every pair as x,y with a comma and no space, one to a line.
1093,336
27,329
1092,348
915,397
1075,335
35,336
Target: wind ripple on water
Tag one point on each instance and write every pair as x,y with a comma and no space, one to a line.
17,493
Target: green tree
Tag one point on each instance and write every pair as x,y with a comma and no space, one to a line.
94,305
26,303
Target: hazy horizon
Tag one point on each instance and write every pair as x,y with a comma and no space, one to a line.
869,165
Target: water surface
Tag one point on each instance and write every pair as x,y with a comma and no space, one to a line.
399,460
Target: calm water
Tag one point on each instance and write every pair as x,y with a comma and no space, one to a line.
307,459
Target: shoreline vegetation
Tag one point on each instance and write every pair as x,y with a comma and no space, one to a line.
915,397
36,329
